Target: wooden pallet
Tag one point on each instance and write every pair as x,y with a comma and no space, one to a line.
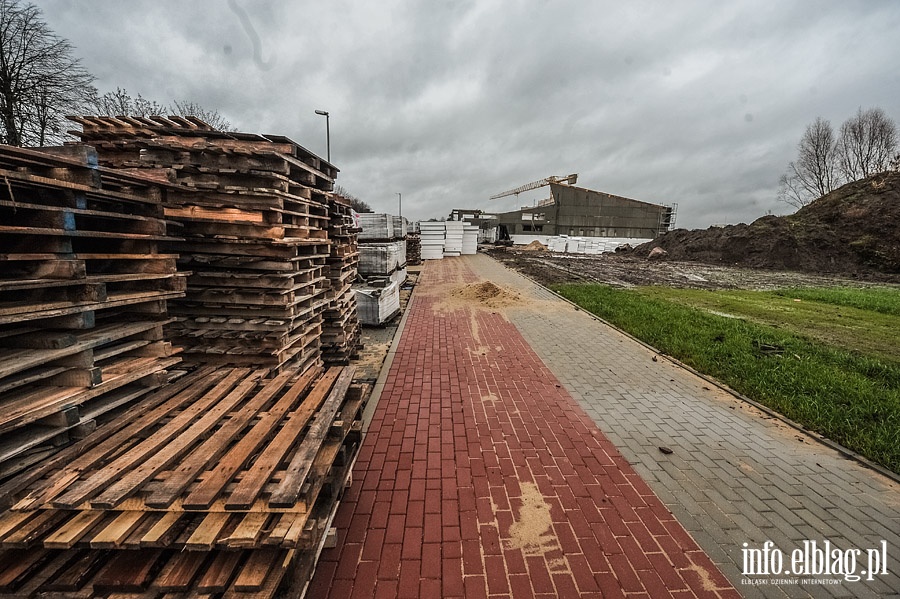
83,297
222,482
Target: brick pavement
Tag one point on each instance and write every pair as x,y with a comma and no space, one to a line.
481,476
736,475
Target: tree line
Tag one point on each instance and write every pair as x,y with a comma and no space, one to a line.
42,81
865,144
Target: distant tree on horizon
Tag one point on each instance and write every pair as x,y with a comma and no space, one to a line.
866,145
122,103
355,203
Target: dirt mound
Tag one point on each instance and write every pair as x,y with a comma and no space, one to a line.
488,294
852,230
535,246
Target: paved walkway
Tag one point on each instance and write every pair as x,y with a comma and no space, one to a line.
484,472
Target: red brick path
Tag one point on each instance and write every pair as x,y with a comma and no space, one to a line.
481,477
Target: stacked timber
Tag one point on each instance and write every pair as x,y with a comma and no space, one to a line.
222,483
83,298
340,330
255,235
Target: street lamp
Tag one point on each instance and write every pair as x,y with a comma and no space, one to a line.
327,132
400,204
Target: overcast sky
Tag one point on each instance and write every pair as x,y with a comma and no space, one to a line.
448,102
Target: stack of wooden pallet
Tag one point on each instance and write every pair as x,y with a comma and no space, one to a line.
341,329
83,298
221,483
256,235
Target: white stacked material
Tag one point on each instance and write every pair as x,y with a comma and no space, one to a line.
470,239
557,244
454,241
377,305
399,227
399,276
589,245
381,258
376,226
432,240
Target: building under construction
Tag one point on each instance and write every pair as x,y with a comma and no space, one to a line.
578,212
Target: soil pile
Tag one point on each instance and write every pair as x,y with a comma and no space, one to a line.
487,294
852,230
535,246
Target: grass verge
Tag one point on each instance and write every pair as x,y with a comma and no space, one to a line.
849,396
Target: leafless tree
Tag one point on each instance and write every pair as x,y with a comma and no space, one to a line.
814,172
40,80
210,117
867,143
355,203
121,103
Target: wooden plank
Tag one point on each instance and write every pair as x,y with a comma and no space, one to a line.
35,528
179,573
111,472
127,571
129,483
72,531
164,529
285,563
220,571
118,530
214,481
281,528
254,478
19,566
298,469
249,532
97,447
213,447
11,521
256,569
207,533
79,570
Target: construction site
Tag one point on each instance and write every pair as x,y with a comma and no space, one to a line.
190,405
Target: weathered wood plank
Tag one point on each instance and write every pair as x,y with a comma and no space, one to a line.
253,479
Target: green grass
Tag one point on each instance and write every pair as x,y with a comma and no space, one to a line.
879,299
760,346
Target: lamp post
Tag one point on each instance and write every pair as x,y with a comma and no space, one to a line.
400,204
327,133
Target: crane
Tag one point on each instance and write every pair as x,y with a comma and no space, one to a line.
569,180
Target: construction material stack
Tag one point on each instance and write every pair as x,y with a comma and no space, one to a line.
470,239
382,263
256,235
433,236
341,330
453,244
83,298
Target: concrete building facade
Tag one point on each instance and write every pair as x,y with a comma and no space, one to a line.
581,212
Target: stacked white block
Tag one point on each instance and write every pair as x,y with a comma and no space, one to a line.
432,239
381,258
470,239
399,227
376,226
454,241
377,304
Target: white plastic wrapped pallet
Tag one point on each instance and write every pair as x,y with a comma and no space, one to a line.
377,305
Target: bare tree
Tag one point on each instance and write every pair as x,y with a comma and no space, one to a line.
814,172
210,117
40,80
355,203
867,143
121,103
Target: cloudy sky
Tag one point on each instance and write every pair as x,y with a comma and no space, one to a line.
449,102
